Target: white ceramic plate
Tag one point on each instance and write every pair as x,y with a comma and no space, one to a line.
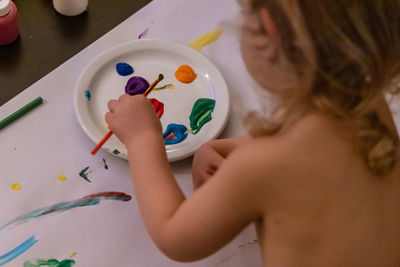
150,57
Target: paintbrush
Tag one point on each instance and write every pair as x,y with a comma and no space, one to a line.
108,135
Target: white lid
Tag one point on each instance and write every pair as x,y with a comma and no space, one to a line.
5,7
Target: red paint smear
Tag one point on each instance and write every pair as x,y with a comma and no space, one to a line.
158,107
109,194
171,136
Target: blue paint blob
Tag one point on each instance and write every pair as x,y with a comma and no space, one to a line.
179,132
124,69
87,94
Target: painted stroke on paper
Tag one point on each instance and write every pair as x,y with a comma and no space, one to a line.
89,200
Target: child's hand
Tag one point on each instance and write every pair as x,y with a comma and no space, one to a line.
132,118
209,157
205,163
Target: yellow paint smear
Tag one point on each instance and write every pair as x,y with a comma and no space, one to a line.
62,178
206,39
16,186
73,254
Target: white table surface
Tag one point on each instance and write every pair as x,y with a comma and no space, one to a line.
48,142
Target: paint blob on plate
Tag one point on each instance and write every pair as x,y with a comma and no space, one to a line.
185,74
167,86
174,134
88,95
136,85
124,69
201,113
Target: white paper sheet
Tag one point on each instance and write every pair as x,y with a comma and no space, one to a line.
48,142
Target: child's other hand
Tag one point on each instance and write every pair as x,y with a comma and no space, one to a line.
206,162
209,157
132,117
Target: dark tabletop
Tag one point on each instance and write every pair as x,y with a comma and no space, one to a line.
47,39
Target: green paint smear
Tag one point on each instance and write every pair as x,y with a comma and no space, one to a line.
84,175
50,262
201,114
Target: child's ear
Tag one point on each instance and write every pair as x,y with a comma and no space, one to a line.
270,29
268,23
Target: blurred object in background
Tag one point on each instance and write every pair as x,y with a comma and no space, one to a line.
70,7
9,28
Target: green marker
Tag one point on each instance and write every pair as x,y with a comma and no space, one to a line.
17,114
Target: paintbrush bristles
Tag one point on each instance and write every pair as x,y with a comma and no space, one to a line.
160,77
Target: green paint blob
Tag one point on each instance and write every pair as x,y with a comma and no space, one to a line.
201,114
50,263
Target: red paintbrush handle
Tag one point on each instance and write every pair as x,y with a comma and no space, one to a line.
101,143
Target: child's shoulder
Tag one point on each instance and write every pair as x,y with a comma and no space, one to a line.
307,134
310,145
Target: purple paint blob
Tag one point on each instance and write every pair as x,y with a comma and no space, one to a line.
136,85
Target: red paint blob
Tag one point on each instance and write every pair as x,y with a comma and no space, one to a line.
158,106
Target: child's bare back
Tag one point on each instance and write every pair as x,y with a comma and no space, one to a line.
323,207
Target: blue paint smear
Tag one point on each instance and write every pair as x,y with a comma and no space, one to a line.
18,250
178,130
124,69
90,200
59,207
87,94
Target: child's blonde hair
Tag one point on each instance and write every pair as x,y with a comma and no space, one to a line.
343,53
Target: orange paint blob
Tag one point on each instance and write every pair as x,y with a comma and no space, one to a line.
185,74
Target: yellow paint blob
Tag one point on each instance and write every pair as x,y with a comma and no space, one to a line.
62,178
185,74
73,254
106,124
16,186
206,39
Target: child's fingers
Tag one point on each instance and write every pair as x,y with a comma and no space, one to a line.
112,104
123,97
108,117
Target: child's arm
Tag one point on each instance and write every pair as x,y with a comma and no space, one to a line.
211,155
184,229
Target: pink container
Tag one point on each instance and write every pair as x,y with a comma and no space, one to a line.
9,28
